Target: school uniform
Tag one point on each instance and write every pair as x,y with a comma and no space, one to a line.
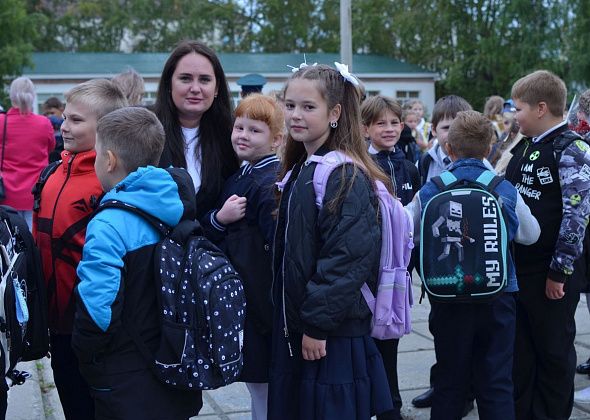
321,259
248,244
558,195
474,341
403,173
406,181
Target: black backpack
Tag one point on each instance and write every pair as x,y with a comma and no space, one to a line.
202,305
24,331
464,240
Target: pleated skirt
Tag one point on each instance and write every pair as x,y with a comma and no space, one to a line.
349,383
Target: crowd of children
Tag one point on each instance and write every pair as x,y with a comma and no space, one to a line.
307,349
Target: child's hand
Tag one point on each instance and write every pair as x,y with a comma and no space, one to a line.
313,349
233,210
553,289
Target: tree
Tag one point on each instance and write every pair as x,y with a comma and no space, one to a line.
16,40
479,47
577,44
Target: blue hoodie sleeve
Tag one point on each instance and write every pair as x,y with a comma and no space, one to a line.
100,291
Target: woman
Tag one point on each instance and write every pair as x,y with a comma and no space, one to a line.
26,141
194,105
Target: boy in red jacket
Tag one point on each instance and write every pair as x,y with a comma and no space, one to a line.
64,205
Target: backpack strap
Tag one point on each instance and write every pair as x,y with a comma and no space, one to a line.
41,181
489,180
324,168
281,184
179,233
446,180
563,141
160,226
423,166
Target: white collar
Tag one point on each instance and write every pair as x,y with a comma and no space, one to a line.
247,166
546,133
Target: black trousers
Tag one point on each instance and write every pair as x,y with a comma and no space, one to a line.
73,390
474,344
3,399
388,350
544,353
434,368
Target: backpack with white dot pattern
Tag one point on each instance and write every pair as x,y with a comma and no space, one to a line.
203,309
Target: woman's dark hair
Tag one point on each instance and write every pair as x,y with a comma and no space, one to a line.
215,127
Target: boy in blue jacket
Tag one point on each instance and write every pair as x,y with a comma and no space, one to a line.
116,296
474,341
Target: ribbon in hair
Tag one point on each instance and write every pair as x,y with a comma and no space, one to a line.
302,65
343,69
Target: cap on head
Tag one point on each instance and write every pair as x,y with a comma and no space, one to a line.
251,83
509,106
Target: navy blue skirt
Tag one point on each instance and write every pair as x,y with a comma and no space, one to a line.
349,383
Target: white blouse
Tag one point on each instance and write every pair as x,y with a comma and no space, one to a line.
193,161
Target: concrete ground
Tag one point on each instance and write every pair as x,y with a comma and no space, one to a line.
38,398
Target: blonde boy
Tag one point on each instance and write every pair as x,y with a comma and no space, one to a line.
66,195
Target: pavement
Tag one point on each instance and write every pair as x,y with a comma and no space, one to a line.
38,399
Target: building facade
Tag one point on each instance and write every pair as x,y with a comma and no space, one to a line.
53,73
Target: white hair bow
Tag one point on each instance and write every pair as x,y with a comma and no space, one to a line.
343,69
302,65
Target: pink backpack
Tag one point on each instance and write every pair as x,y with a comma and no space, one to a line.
391,306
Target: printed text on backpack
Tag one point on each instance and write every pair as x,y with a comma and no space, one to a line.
463,244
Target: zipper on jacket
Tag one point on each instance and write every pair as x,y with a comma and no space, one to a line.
392,175
53,218
285,327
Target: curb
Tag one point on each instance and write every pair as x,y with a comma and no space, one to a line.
51,403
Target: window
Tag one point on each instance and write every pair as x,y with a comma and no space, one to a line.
404,95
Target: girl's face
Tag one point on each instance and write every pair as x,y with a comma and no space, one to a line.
307,116
385,131
251,139
418,109
411,121
194,88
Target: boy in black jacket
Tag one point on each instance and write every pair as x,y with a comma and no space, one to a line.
382,125
550,168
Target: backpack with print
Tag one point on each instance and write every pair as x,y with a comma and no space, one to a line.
463,240
24,331
391,305
202,305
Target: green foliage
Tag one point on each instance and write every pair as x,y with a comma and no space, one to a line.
16,38
479,47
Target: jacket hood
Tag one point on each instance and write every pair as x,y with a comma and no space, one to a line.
167,194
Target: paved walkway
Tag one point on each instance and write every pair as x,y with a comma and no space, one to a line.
38,399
